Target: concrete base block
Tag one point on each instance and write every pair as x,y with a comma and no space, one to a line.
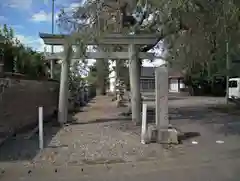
168,136
152,133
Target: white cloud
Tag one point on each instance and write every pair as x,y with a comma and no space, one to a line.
3,19
65,3
46,2
154,63
72,7
29,41
36,43
158,51
41,16
19,4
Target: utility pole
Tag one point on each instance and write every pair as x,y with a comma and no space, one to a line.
228,70
52,47
227,55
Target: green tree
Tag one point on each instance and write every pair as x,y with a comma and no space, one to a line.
90,22
194,32
20,59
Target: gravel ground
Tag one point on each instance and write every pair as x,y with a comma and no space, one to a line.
91,144
99,137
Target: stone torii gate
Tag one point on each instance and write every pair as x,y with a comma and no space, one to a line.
132,41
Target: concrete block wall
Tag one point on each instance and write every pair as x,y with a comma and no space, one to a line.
20,99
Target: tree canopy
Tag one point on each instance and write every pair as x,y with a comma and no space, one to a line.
201,49
194,33
18,58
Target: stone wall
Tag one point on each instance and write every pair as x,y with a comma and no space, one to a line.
20,99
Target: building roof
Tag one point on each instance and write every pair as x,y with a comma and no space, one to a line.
172,73
147,71
110,39
150,72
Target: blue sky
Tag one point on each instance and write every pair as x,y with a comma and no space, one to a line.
29,17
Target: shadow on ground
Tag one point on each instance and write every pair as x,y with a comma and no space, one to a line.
96,121
151,98
187,135
25,146
225,121
185,113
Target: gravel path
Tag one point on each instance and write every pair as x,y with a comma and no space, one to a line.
99,136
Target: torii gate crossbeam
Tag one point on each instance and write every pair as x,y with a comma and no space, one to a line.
103,55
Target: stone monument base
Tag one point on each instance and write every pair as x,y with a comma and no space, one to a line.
169,135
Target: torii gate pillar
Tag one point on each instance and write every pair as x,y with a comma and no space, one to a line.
63,93
134,74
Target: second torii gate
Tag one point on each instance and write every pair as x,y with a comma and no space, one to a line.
113,39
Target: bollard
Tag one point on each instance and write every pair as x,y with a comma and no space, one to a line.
40,127
144,124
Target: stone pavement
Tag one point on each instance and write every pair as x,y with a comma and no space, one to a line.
101,145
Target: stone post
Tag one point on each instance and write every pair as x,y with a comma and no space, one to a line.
134,73
144,124
161,88
64,90
52,69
